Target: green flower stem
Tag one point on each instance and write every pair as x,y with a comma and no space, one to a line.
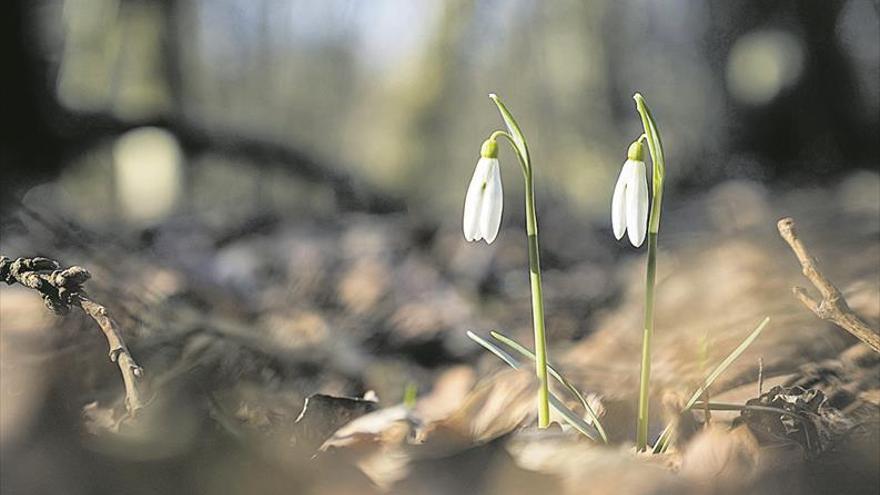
558,376
523,163
655,146
537,306
534,266
645,378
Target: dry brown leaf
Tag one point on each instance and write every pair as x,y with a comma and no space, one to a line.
721,457
323,414
449,392
363,285
496,406
587,468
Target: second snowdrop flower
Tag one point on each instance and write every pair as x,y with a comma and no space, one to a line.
484,201
629,204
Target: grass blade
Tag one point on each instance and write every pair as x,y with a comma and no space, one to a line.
516,346
663,440
570,417
494,349
573,419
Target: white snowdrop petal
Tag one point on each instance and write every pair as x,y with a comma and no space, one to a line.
644,202
473,202
637,204
471,224
470,221
618,207
493,204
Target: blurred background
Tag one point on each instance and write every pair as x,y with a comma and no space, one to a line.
268,194
393,93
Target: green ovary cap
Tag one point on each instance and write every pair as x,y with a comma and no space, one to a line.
489,149
636,151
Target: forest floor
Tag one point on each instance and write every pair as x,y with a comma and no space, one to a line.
234,327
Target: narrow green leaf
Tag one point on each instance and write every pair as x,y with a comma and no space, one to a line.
573,419
515,132
663,440
494,349
570,417
655,143
516,346
727,362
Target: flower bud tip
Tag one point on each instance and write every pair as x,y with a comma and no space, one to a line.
489,149
636,151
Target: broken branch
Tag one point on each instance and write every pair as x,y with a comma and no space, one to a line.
62,289
832,307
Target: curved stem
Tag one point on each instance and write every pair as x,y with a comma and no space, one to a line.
500,133
658,161
522,162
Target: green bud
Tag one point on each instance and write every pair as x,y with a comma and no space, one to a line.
636,151
489,148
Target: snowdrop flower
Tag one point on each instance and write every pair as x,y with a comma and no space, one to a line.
485,199
629,204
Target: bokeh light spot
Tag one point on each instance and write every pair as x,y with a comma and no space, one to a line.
762,64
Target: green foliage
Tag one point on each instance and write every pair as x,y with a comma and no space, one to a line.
516,346
570,417
663,441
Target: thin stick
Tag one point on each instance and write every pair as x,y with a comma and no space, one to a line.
736,407
833,306
760,376
718,406
706,412
119,354
61,289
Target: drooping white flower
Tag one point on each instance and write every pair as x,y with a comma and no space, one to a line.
485,199
629,204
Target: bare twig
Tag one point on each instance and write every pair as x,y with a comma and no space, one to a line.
833,306
760,376
718,406
131,371
62,289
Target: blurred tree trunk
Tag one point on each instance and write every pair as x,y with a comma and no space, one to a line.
40,136
30,142
810,130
